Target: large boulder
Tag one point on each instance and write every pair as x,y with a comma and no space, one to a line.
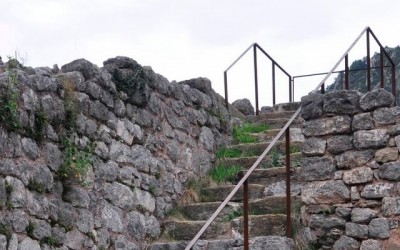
244,106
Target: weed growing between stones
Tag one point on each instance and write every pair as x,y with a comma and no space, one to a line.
76,162
222,173
50,241
5,231
70,105
9,116
228,153
243,134
36,186
39,130
29,229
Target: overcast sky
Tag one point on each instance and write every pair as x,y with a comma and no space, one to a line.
186,39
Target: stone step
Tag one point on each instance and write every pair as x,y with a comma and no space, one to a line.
276,123
288,106
258,148
272,115
269,135
185,230
269,161
256,243
219,193
204,210
261,225
273,205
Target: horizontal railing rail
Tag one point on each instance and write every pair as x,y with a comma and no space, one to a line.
243,181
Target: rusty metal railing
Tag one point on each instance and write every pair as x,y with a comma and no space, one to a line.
275,65
345,82
243,181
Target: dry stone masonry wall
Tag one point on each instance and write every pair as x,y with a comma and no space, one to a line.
97,156
351,169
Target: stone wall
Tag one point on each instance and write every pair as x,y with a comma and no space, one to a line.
351,169
97,156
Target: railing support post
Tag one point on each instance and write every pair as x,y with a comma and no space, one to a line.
246,215
368,63
288,200
226,89
394,84
273,83
381,69
346,71
323,88
290,90
255,77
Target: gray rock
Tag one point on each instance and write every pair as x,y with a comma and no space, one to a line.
37,205
136,155
313,147
98,110
390,171
363,121
3,242
119,108
78,197
135,225
206,138
347,243
41,177
271,242
386,116
379,228
327,126
317,168
62,212
244,106
17,197
30,148
119,194
28,244
326,222
144,200
108,171
312,106
376,98
378,190
342,102
74,239
111,217
356,230
354,194
343,212
88,69
325,192
121,243
3,192
386,155
74,77
358,176
394,130
339,144
363,215
201,83
13,242
30,100
153,227
19,220
266,110
52,156
41,229
353,159
376,138
85,221
53,107
371,244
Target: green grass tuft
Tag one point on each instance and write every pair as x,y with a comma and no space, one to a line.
222,173
228,153
243,134
254,128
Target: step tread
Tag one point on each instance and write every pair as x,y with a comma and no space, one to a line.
187,229
267,224
219,193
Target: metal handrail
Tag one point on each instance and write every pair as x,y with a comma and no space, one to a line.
272,143
255,46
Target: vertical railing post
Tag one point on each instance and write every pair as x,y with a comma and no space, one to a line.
246,215
394,83
255,77
323,88
273,83
226,89
346,71
290,90
368,63
288,200
381,69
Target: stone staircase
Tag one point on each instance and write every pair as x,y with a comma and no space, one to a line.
267,201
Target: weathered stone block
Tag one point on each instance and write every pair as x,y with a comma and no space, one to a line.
354,194
325,192
371,244
386,116
339,144
376,98
379,228
356,230
390,171
386,155
358,176
346,242
327,126
317,168
342,102
326,222
313,147
391,206
311,106
353,159
376,138
378,190
363,215
363,121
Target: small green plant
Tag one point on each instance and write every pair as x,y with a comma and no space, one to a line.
294,149
91,236
30,228
234,214
222,173
36,186
50,241
254,128
228,153
70,105
241,137
274,159
76,162
152,189
4,230
9,116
